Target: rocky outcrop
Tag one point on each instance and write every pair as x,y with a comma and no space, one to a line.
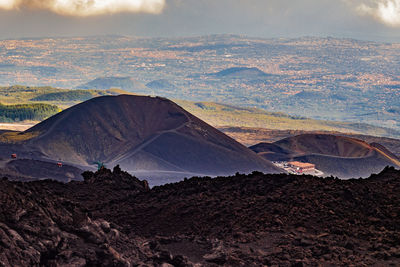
113,219
39,228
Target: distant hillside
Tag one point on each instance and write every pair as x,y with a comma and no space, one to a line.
141,134
221,115
105,83
218,115
77,95
72,96
161,84
19,94
241,73
335,155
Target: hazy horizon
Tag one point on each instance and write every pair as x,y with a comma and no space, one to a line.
196,36
374,20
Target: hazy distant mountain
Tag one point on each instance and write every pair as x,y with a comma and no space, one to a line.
141,134
334,155
161,84
105,83
241,73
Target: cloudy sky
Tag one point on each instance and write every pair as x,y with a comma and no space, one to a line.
362,19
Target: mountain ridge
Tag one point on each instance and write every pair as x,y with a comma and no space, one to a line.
341,156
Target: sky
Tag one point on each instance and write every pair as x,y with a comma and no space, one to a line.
376,20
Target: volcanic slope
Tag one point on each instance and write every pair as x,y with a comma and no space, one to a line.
335,155
141,133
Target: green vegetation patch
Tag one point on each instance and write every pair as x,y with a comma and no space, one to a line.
222,115
63,98
24,112
75,95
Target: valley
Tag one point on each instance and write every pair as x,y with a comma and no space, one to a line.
321,78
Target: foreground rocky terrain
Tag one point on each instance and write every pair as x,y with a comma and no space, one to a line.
114,219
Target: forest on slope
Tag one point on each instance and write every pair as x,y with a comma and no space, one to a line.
24,112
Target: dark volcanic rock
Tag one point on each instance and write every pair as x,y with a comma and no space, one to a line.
40,228
113,219
36,169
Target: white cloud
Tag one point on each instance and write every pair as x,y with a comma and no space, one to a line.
7,4
87,7
385,11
